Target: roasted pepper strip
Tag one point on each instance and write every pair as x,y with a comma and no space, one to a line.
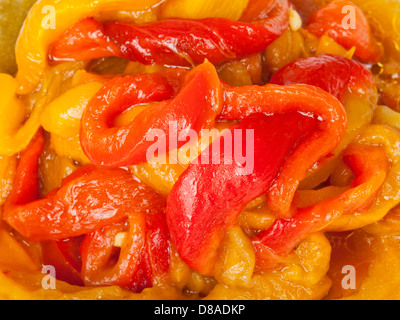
243,101
26,181
331,20
183,42
144,255
208,197
370,167
196,106
334,74
348,80
36,36
88,199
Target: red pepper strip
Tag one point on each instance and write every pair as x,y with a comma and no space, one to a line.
142,259
26,183
70,249
240,102
89,202
369,165
207,198
196,106
331,20
85,41
331,73
65,271
181,42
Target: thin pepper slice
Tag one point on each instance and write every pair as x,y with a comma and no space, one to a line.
370,167
344,22
196,106
36,34
183,42
209,196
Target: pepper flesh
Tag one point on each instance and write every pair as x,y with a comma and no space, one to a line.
243,101
182,42
354,31
207,198
36,36
334,74
370,167
195,107
88,199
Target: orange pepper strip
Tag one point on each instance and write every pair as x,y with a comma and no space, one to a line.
332,73
26,182
240,102
179,42
370,167
89,199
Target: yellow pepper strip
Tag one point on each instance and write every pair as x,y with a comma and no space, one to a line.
287,48
36,35
382,254
52,169
237,260
13,255
257,218
14,139
15,134
384,18
306,198
386,115
388,197
198,9
8,167
302,277
11,108
185,279
62,116
69,147
389,225
327,45
16,285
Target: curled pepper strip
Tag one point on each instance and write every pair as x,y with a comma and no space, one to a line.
89,199
144,256
196,106
331,20
370,167
348,80
242,101
183,42
34,39
208,198
388,197
332,73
